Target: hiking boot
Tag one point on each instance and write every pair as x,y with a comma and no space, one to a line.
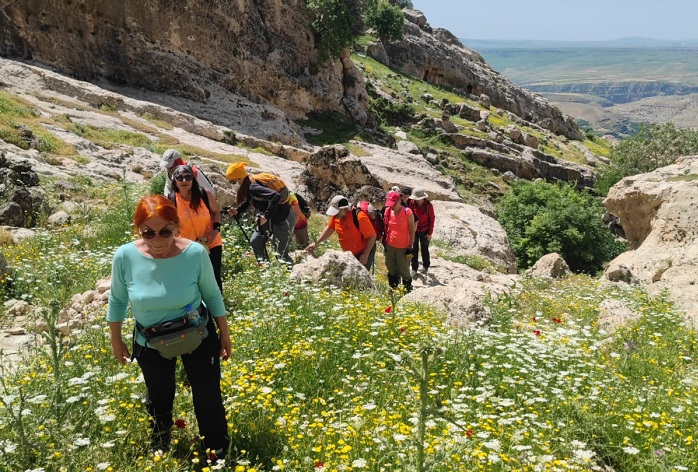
160,442
217,455
424,270
413,273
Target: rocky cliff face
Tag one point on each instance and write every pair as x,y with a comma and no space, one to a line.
437,56
657,211
262,49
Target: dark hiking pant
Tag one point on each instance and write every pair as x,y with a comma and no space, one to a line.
398,267
203,370
280,235
216,256
420,239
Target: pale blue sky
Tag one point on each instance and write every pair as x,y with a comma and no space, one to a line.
587,20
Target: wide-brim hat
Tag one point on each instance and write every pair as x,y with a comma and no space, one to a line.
418,194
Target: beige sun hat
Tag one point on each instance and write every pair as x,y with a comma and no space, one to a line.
418,194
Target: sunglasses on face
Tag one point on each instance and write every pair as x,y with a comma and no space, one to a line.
183,177
164,233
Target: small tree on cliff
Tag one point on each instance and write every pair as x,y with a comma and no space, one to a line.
388,21
333,24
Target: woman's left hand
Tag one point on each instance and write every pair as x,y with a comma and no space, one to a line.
226,347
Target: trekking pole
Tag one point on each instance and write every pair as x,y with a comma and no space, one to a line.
242,229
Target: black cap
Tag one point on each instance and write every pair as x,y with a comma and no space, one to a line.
406,191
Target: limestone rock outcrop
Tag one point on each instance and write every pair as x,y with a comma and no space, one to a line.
263,50
658,213
459,291
437,56
335,170
466,231
335,268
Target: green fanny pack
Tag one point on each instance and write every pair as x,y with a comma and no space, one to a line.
177,337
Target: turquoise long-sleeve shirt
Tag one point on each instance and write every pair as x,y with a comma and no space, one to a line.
160,289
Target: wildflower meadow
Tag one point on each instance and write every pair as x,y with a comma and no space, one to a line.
327,380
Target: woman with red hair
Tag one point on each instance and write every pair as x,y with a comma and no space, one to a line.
164,278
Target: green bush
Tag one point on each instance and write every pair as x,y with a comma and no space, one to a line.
157,184
652,147
387,20
333,24
541,218
392,113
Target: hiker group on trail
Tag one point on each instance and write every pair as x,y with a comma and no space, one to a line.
170,276
404,229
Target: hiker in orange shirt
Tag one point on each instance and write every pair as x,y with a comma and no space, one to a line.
356,236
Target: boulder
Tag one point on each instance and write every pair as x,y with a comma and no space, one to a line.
467,231
458,290
335,268
550,266
376,51
614,314
469,113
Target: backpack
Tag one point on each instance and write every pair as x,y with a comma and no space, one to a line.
198,170
303,205
204,196
355,216
273,182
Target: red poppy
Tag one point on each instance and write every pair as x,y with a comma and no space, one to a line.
402,330
285,294
557,320
319,464
389,309
469,432
180,424
534,319
537,332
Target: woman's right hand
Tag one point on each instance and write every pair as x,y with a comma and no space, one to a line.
120,350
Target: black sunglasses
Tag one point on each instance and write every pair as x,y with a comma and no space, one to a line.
164,233
183,177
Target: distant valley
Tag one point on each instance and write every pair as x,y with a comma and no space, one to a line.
611,86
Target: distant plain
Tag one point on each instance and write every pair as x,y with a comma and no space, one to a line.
611,86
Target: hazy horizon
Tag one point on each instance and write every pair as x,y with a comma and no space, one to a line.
548,20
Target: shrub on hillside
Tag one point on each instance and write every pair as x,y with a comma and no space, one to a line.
387,20
652,147
333,24
541,218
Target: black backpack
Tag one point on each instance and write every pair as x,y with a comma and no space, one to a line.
303,205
